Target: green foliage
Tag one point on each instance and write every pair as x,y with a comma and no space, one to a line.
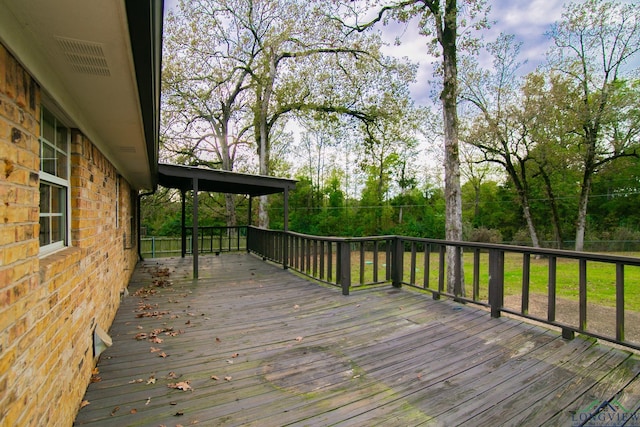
356,161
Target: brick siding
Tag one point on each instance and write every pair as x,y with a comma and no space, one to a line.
50,305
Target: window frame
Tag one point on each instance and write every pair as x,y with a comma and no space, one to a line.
52,180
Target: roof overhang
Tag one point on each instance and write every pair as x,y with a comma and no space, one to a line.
98,64
218,181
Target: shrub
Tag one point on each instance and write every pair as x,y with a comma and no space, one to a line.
485,235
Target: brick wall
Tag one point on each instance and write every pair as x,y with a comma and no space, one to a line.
50,305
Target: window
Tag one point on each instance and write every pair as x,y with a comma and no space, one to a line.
54,183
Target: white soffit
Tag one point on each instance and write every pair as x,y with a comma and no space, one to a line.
79,53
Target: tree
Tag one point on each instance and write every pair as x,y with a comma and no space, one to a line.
592,44
204,90
497,133
438,20
477,172
546,111
290,34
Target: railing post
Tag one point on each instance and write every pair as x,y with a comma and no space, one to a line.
397,257
345,266
496,281
285,250
620,301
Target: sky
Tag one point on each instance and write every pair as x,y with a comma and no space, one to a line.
527,20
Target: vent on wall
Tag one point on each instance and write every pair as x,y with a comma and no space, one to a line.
84,57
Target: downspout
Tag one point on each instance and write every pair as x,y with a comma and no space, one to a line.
139,226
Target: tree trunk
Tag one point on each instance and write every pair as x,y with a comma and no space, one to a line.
263,140
230,204
476,203
227,164
581,222
555,215
526,211
453,197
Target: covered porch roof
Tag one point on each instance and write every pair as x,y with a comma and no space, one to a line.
219,181
189,178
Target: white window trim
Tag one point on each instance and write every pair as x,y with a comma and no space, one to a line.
66,183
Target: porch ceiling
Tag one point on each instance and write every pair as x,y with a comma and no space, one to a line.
218,181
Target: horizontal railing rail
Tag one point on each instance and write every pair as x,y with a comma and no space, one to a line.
518,273
217,239
211,239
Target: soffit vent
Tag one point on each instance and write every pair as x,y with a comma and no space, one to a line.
84,57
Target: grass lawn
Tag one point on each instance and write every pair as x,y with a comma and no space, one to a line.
601,277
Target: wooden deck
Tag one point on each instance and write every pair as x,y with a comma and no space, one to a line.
256,345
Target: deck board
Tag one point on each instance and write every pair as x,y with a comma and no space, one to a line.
298,353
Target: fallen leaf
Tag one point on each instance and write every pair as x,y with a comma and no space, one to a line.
218,339
182,385
154,350
156,340
141,336
188,322
213,377
179,414
151,380
139,380
95,371
163,354
172,375
139,327
296,307
116,409
227,378
230,362
299,339
95,379
148,401
84,403
133,411
234,355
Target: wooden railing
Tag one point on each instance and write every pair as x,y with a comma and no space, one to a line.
353,263
217,239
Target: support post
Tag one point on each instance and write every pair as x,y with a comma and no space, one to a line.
183,225
397,259
249,238
345,266
285,234
286,209
496,281
620,302
194,237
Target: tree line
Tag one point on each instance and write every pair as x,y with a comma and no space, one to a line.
302,89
